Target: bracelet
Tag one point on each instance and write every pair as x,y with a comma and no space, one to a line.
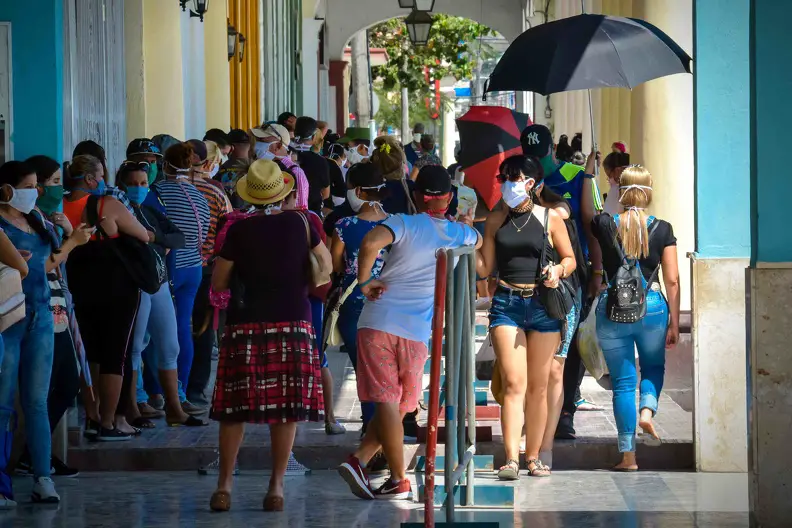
360,285
599,272
564,274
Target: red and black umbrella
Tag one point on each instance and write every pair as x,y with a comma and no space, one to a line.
488,135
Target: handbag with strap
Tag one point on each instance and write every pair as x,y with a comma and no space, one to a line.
12,298
557,302
332,335
318,275
144,266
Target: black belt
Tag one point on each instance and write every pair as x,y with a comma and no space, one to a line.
525,293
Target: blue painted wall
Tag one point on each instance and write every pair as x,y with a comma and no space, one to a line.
771,76
722,104
37,69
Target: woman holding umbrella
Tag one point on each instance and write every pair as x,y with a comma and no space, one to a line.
524,336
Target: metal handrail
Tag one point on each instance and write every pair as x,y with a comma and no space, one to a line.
454,299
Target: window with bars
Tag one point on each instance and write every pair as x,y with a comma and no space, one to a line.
94,84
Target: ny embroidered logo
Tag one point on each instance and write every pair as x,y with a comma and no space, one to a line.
532,138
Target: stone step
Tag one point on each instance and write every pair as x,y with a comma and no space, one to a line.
485,495
483,433
480,463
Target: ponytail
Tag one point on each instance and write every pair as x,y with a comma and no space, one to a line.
636,195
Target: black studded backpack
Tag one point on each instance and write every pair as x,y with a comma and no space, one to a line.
627,289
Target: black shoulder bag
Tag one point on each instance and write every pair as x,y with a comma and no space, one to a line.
143,265
557,302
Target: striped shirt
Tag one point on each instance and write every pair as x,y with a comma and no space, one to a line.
219,205
188,209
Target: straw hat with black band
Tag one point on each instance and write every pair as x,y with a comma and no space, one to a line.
264,183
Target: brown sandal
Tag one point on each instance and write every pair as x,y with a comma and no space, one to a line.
273,503
220,501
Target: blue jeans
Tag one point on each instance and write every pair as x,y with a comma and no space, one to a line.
618,342
317,321
185,287
29,348
347,326
157,318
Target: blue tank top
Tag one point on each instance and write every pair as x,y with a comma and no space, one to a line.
35,284
567,180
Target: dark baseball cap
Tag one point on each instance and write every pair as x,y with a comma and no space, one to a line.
142,146
536,140
433,180
199,147
238,136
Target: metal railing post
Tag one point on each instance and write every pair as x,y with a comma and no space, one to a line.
434,384
470,299
450,389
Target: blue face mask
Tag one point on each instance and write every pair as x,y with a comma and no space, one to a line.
101,186
137,194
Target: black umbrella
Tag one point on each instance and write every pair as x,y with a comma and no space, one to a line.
587,51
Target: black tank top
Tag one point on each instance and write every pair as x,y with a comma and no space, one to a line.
518,248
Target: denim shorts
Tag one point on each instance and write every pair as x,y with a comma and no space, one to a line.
528,314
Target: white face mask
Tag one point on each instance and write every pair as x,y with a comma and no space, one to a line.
354,156
223,159
354,202
416,138
214,170
263,151
23,200
514,193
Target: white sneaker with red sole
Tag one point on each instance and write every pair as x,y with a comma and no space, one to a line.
394,490
352,472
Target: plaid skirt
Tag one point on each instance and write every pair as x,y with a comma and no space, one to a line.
268,373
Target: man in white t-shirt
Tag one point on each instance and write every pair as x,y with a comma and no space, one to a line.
395,325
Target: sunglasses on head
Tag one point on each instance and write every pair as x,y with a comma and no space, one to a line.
140,165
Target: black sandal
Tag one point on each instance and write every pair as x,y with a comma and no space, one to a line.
142,423
191,421
510,471
539,469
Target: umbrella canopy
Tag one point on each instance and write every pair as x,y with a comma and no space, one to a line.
587,51
488,135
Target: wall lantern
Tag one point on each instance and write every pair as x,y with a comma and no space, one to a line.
419,24
418,5
242,41
198,8
232,41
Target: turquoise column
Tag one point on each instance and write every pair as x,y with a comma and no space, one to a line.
37,70
770,277
722,124
771,85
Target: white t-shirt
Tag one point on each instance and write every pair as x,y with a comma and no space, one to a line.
405,309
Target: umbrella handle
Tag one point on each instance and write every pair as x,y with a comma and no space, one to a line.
593,135
486,87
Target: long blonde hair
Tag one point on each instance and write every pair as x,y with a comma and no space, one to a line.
635,195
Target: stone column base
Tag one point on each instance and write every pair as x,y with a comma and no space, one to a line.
770,388
719,373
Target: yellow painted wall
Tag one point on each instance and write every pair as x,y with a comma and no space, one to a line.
218,83
662,133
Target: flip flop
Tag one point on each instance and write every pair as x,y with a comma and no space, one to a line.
617,469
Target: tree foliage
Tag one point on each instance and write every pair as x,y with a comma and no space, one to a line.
452,50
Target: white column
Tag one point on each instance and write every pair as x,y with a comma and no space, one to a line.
310,66
449,129
194,76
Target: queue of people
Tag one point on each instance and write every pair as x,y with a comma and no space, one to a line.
240,248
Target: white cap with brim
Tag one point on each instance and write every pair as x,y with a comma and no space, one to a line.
272,130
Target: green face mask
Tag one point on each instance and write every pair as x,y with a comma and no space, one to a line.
548,165
152,173
51,199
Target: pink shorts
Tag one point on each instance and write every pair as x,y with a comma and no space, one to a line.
390,368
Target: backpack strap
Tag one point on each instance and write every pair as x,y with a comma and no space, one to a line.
545,238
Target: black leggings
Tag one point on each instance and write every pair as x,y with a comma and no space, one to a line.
65,379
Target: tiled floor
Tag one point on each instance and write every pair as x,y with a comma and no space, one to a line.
184,448
567,499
